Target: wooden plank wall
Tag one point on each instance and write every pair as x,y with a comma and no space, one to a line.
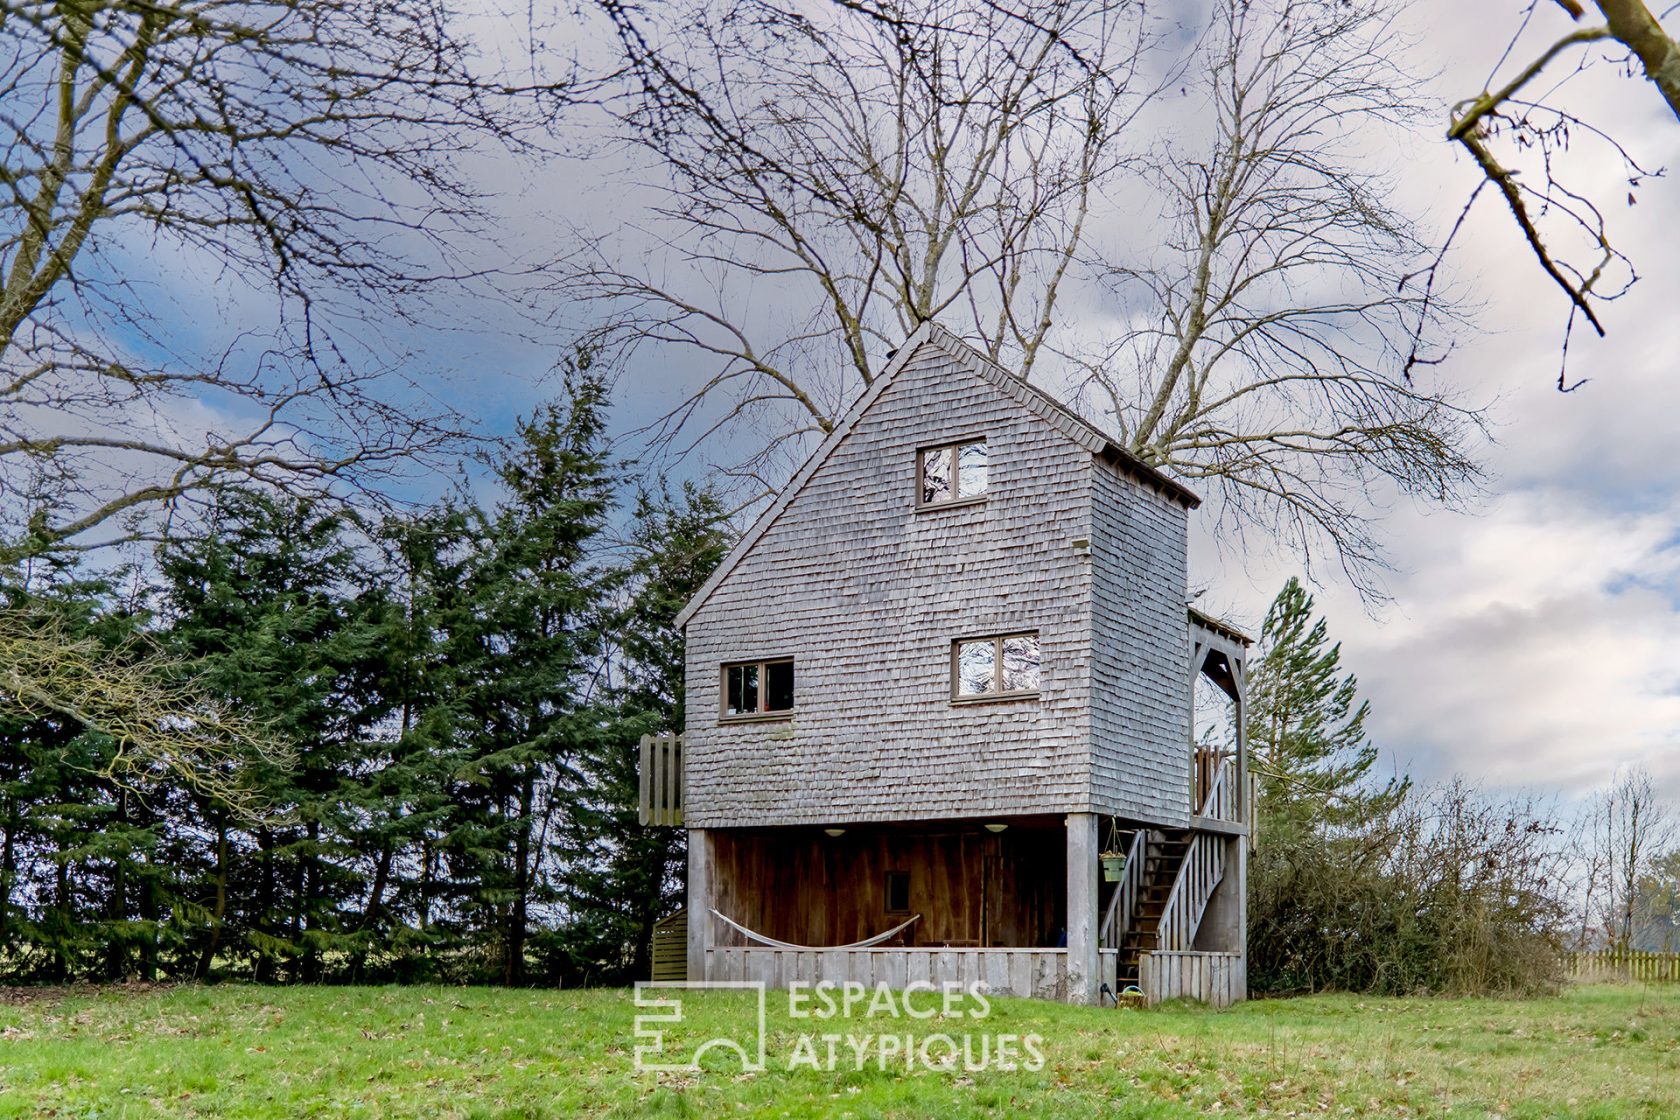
1219,979
1037,973
974,889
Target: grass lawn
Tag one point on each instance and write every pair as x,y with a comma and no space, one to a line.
234,1051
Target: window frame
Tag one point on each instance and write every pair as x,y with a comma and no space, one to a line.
954,446
998,692
762,664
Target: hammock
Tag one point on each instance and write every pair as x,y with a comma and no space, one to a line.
774,944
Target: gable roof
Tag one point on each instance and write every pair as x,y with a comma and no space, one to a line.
1034,399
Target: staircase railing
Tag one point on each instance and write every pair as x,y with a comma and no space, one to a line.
1123,904
1198,877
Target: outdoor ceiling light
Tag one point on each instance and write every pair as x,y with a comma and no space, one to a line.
834,832
995,826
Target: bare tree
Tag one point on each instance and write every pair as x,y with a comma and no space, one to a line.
840,173
833,175
1629,828
1564,227
163,727
295,165
1282,342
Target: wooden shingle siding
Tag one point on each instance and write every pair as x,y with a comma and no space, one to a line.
1140,653
865,592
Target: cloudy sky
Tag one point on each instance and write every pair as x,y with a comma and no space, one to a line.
1528,643
1528,640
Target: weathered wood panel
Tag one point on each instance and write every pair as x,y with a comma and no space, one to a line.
1140,645
1040,973
1218,979
660,780
1108,967
973,888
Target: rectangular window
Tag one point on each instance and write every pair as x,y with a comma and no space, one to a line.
756,688
898,892
1005,665
953,473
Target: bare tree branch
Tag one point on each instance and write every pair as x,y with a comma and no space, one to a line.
1275,344
164,161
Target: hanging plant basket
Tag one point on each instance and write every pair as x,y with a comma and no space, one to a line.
1113,867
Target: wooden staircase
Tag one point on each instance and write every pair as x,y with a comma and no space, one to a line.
1161,854
1170,877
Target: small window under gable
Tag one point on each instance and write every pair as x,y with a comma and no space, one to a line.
955,472
758,688
1000,666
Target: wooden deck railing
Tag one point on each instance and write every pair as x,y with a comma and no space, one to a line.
1123,904
1217,785
660,798
1203,868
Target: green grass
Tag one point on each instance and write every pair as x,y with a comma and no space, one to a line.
232,1051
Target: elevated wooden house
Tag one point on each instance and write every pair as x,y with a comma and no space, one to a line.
936,691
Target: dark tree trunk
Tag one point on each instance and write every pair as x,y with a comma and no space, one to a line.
8,873
265,906
370,913
218,913
513,974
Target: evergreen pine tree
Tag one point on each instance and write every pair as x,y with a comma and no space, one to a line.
621,876
1306,726
262,603
526,652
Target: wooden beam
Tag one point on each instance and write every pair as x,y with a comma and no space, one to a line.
1082,929
700,893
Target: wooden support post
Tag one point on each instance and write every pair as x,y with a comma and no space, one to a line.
1082,930
699,901
1239,675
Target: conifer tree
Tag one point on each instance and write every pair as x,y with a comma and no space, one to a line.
263,603
526,653
1306,725
622,876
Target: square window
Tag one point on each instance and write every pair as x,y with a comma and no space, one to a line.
742,696
971,470
756,688
778,686
1005,665
955,472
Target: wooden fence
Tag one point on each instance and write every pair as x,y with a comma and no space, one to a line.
1620,964
1220,979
